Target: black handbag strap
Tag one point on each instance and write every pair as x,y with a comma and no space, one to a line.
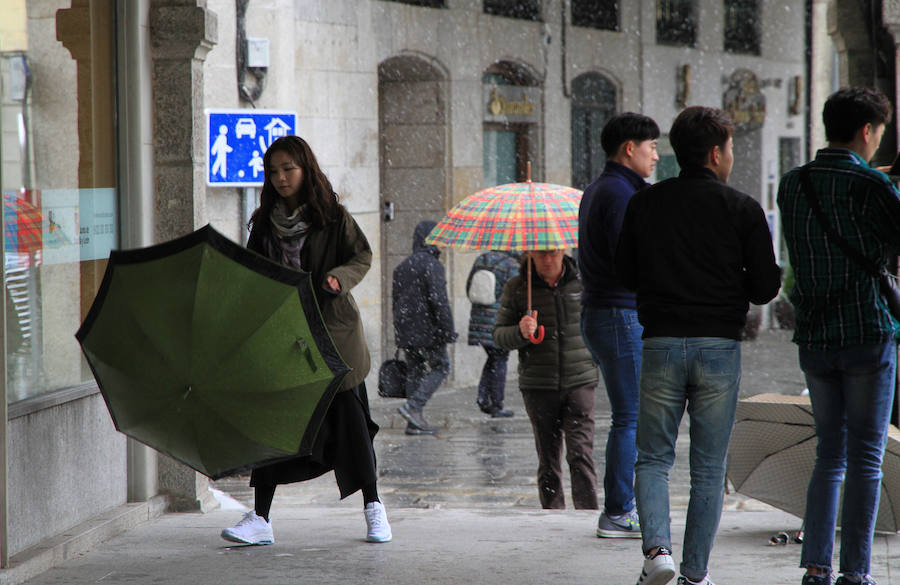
832,233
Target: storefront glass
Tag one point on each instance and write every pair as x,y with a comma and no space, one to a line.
58,176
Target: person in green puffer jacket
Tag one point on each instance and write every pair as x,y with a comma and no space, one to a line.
557,376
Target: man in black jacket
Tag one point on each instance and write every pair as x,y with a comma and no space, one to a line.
696,252
423,326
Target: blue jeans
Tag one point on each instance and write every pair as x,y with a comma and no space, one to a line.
702,373
851,391
613,336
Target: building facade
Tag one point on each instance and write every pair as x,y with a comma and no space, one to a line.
409,106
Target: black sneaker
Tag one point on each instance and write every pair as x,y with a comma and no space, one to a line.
501,413
816,579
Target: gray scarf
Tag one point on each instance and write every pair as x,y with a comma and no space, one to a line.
290,233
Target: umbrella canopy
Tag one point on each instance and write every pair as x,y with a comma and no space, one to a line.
773,451
211,353
515,216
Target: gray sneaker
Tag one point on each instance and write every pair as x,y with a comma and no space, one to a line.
626,525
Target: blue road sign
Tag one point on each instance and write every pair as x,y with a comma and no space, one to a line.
236,142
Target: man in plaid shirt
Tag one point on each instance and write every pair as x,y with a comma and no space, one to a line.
846,336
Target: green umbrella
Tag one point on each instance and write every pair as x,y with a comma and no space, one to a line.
211,353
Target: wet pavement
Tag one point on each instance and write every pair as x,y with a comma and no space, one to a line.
464,510
477,461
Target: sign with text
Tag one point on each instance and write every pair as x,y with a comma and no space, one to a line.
237,141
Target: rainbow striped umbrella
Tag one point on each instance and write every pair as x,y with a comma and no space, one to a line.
514,216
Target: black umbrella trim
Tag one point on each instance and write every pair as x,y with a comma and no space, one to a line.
260,264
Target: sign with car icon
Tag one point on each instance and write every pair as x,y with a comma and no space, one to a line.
237,141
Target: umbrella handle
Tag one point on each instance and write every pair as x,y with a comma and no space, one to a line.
539,337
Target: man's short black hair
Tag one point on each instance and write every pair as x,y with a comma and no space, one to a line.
624,127
850,108
695,131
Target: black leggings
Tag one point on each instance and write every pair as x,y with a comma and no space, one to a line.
264,494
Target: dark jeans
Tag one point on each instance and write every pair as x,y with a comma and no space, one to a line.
554,414
493,379
613,336
851,391
427,368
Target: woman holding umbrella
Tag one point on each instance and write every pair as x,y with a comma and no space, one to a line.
300,224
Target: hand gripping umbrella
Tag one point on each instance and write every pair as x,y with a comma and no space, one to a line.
211,353
514,216
773,451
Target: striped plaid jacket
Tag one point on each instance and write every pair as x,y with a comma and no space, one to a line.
836,302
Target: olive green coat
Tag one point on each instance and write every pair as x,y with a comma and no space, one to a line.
561,361
340,250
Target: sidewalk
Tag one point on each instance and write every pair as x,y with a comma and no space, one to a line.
464,510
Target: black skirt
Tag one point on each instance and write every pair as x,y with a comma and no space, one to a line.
344,444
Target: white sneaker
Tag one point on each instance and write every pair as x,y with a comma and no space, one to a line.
252,529
376,520
659,568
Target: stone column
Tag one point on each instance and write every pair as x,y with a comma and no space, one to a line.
181,34
890,16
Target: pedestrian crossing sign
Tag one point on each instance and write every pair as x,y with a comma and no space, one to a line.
237,141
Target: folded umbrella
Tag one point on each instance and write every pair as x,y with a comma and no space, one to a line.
211,353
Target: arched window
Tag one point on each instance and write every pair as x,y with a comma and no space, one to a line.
593,103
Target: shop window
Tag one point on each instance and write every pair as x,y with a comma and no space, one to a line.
742,28
510,131
602,14
59,185
676,22
593,104
524,9
426,3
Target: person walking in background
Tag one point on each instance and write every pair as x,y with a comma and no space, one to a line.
557,377
696,252
300,223
490,272
609,322
423,326
846,334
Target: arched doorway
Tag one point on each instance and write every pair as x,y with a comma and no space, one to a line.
413,122
594,99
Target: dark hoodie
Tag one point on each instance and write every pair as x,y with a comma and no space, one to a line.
422,316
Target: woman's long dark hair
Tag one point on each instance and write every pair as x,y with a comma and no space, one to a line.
315,190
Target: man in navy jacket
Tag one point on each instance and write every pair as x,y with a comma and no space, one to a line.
609,322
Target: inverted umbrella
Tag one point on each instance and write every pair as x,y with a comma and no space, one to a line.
211,353
773,451
514,216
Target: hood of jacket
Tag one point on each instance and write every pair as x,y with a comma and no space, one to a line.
419,234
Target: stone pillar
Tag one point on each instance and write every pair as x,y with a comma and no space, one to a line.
181,34
890,15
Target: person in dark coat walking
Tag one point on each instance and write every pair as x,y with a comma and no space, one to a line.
557,376
492,385
300,223
696,252
423,326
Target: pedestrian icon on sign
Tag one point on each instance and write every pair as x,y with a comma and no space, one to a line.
220,150
256,163
237,141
